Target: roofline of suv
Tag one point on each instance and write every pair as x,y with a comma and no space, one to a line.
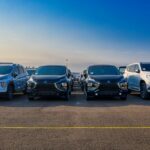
102,65
53,65
6,63
138,63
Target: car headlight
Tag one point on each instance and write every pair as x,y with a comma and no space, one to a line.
3,84
89,84
93,85
123,85
64,84
31,83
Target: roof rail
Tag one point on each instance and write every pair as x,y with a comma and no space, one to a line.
6,63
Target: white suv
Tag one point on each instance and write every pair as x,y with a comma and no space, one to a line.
138,78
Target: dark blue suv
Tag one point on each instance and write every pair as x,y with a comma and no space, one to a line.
13,79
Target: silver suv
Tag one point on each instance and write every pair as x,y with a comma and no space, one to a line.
138,78
13,79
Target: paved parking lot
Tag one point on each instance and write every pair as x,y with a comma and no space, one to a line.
36,124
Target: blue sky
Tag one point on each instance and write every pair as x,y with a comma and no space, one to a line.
37,32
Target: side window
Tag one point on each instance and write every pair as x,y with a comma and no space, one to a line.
16,70
128,68
20,69
136,68
23,70
131,68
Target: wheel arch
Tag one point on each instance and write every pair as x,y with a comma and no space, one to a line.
142,81
12,85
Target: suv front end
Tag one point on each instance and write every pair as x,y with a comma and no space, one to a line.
106,85
48,85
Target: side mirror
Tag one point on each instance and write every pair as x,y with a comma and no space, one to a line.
85,75
137,71
14,74
69,74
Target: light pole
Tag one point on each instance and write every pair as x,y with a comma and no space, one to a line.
67,62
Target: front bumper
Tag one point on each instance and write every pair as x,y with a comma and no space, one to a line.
97,93
3,94
107,90
46,90
148,88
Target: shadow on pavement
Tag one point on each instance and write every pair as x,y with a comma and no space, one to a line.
77,99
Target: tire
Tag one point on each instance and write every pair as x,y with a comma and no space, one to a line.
124,98
67,97
30,98
143,92
10,92
129,91
25,90
88,98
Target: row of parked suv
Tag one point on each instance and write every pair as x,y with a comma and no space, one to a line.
106,80
56,80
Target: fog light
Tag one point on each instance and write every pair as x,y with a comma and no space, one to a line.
3,84
96,94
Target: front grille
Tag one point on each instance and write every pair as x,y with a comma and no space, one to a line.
46,87
112,87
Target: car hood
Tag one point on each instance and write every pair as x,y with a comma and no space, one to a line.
48,78
106,78
146,72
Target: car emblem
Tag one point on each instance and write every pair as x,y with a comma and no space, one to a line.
45,82
108,82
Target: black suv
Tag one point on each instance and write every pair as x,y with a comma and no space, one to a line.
104,80
50,80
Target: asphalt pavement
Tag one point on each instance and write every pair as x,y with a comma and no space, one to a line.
77,124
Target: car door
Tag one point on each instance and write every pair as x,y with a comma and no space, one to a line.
130,77
68,75
24,77
137,77
17,81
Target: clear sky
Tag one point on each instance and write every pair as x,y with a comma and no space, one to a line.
37,32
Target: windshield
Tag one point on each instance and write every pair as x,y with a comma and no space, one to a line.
122,70
103,70
5,69
31,72
145,67
51,70
76,74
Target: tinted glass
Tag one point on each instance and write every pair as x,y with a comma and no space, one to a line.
31,72
136,68
103,70
21,70
122,70
145,67
5,69
131,68
51,70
